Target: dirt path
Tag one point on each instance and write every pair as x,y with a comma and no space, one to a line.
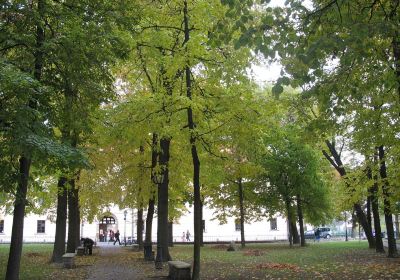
121,263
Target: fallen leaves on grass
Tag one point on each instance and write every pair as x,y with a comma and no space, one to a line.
220,247
255,253
279,266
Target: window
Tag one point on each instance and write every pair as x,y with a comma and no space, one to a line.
41,226
107,221
1,226
237,225
273,223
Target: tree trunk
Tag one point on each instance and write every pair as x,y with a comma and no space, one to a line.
289,224
170,234
392,247
73,217
202,225
301,219
14,257
295,233
241,207
162,208
195,159
150,209
336,162
369,218
353,225
139,228
149,221
396,225
375,210
61,222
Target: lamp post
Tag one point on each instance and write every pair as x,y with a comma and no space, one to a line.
125,213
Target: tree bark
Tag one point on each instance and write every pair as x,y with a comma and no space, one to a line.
14,257
295,233
202,228
288,213
61,222
150,209
149,221
301,220
369,217
375,211
73,217
195,158
336,162
139,228
392,247
241,207
162,208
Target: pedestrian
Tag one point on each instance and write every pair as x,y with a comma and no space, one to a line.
87,245
183,236
116,235
187,236
317,234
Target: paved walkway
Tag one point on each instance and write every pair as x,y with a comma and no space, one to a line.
121,263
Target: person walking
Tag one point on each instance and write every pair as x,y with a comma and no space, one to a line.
187,236
116,235
183,236
317,235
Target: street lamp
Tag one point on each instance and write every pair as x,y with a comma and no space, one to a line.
125,213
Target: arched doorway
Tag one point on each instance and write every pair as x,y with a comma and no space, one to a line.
107,226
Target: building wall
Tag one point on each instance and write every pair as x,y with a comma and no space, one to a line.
214,231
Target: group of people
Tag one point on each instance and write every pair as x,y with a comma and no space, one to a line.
186,235
112,236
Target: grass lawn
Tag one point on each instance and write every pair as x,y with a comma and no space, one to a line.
325,260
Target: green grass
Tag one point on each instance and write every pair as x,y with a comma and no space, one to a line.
325,260
34,261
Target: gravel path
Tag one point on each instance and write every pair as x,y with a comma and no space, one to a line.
115,263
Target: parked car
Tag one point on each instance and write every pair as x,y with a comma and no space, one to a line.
309,234
324,232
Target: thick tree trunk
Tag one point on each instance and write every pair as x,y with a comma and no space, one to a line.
295,233
369,217
139,228
195,159
61,222
336,162
202,225
375,211
289,224
14,257
353,225
162,208
241,208
150,209
149,221
301,220
392,247
73,217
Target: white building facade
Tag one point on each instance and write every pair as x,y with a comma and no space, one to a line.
38,228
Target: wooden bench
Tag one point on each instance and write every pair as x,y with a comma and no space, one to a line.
69,260
179,270
80,251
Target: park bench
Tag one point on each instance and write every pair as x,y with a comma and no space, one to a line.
80,251
69,260
179,270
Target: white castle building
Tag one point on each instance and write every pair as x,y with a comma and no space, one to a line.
39,228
